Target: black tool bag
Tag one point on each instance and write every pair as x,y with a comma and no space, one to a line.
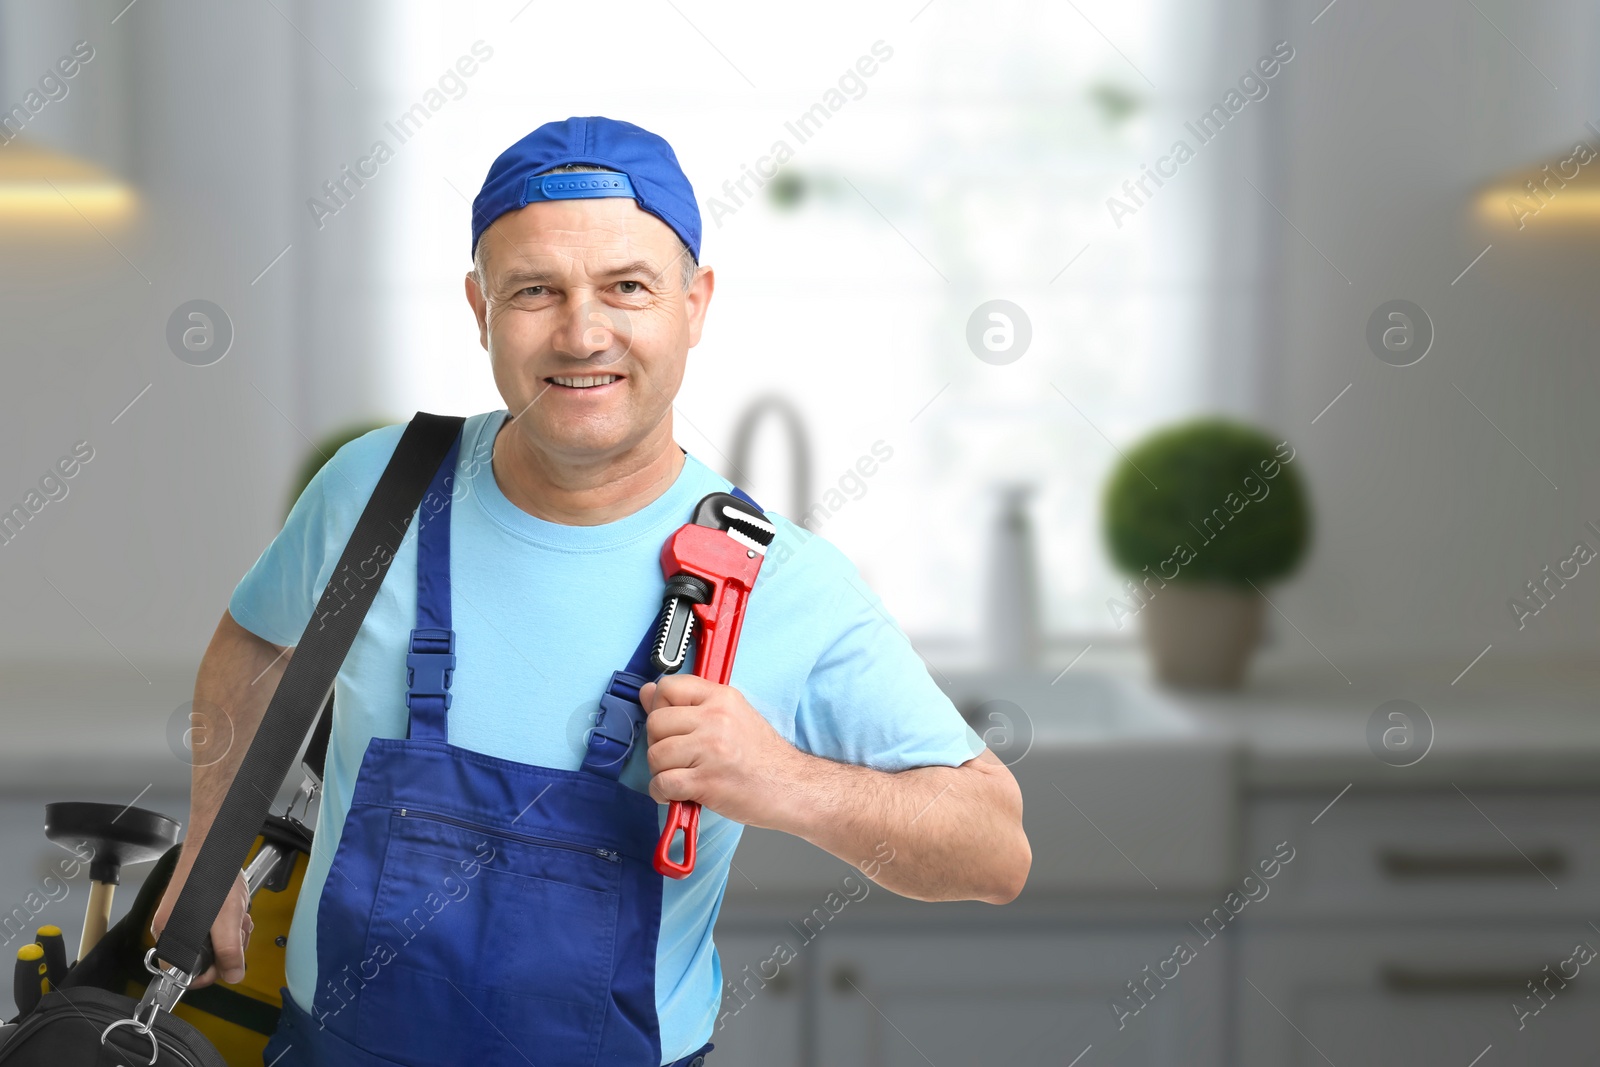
88,1022
237,1017
88,1027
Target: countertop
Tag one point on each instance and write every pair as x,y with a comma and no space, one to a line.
1301,722
1297,725
1501,724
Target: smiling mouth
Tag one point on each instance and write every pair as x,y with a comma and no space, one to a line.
590,382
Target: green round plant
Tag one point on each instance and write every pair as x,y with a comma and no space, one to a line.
1213,500
324,451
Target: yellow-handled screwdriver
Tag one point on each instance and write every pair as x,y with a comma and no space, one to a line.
55,954
26,980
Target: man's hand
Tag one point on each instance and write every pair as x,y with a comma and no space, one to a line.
707,744
955,832
230,934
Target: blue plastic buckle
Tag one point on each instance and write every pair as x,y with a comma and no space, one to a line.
429,673
620,710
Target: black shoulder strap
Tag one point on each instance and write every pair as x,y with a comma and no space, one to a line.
305,686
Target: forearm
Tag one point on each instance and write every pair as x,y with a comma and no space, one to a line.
235,683
956,832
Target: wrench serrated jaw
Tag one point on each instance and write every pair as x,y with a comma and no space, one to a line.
752,531
749,519
758,547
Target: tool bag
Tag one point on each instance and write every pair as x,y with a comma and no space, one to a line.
94,1018
237,1018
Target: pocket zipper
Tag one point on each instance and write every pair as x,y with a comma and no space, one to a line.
609,855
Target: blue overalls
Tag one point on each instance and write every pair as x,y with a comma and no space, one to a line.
479,910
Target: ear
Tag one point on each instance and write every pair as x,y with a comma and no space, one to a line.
480,308
697,299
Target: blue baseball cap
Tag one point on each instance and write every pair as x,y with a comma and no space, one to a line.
647,169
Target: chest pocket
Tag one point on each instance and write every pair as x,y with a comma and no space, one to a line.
471,919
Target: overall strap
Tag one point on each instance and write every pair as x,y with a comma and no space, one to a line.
620,718
431,659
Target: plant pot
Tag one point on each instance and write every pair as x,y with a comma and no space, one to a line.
1201,635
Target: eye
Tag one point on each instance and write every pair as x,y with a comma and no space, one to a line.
530,291
630,292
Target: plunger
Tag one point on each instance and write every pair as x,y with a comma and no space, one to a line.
115,837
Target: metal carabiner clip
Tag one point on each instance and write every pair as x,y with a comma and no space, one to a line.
147,1029
160,995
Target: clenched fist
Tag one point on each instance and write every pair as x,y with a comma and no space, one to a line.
707,744
230,934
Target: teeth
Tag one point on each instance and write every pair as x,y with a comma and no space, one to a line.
758,547
740,516
585,383
752,532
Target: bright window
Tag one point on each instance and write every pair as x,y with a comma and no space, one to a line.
973,164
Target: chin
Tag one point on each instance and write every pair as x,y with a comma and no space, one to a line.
589,440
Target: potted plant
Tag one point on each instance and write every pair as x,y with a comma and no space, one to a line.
323,450
1201,516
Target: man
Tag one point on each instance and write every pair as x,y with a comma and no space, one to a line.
588,294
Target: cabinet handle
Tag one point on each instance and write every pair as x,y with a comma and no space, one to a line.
1398,978
1404,864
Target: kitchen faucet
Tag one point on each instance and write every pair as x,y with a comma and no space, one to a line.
799,449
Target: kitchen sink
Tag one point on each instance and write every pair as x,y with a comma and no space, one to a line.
1123,790
1013,710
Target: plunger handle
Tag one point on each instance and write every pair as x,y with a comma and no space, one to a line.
96,917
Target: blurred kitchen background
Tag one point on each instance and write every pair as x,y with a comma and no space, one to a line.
1422,560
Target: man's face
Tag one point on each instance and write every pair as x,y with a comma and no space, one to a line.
586,289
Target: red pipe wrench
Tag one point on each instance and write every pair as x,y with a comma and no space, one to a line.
710,565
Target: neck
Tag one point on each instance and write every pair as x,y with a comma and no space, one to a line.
553,488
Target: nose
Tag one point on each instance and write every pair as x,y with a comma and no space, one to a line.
593,332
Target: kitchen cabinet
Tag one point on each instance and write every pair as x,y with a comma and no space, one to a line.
1404,931
1022,997
1433,853
1410,925
1397,996
762,1018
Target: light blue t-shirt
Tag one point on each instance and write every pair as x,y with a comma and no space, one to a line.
543,613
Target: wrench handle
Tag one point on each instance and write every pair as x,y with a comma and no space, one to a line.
681,815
